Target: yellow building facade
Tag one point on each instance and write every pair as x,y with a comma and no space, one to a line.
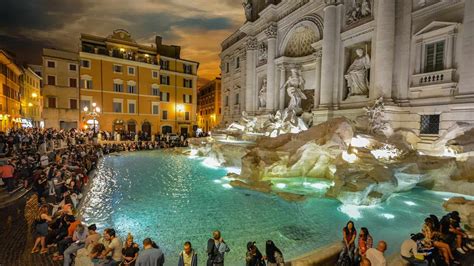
10,73
31,99
60,89
138,88
209,105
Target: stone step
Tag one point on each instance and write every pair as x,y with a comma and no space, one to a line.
6,199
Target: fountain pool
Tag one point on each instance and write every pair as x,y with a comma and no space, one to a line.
172,199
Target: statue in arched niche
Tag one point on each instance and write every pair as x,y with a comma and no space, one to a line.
357,75
295,90
262,94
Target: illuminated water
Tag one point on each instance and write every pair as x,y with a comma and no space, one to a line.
173,199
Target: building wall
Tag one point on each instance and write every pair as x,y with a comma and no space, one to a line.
209,105
396,36
63,115
31,98
101,72
9,93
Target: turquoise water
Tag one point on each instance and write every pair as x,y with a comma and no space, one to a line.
173,199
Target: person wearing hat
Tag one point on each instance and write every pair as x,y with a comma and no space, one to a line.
253,256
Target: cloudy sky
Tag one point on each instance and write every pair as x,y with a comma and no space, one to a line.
198,26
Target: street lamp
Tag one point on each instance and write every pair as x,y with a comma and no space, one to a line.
94,113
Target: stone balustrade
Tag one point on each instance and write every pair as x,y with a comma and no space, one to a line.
438,77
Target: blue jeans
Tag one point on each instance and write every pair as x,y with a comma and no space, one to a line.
73,248
349,251
415,261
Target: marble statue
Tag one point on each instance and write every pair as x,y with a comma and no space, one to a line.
376,118
262,53
283,122
262,94
295,89
248,9
357,75
247,125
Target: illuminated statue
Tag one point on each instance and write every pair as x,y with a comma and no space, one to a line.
248,9
295,89
262,94
357,75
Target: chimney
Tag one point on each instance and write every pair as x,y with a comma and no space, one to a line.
158,41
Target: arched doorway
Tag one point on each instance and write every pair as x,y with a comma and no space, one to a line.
146,127
119,126
132,126
166,129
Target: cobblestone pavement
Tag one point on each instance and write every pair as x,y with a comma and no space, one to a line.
16,237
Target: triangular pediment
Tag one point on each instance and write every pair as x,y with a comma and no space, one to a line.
435,25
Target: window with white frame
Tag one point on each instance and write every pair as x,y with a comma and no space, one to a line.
131,106
155,90
51,64
187,98
86,82
85,63
155,108
188,69
165,80
132,88
72,67
164,96
131,71
117,105
117,69
154,74
85,103
118,85
187,83
435,46
165,64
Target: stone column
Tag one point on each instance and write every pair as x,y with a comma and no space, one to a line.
384,49
317,79
467,53
271,33
328,69
250,86
282,90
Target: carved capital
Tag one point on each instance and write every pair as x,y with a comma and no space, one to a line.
251,43
271,31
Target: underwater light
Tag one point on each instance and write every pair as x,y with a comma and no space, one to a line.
320,185
351,210
280,185
226,186
360,142
410,203
388,215
217,181
211,163
350,158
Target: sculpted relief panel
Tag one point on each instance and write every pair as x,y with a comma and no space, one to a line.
357,10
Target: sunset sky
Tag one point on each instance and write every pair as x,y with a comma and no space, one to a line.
199,26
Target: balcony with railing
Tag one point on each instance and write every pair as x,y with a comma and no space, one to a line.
433,84
431,78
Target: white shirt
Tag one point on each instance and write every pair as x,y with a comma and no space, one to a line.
376,257
116,246
409,249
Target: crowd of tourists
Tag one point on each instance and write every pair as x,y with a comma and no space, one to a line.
56,164
438,240
158,140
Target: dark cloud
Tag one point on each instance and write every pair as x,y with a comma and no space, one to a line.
24,50
38,14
